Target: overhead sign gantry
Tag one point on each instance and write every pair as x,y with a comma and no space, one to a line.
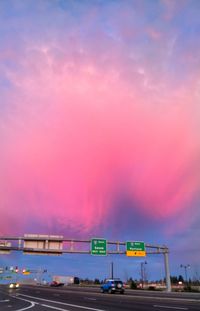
58,245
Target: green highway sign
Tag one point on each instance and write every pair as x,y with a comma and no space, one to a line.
99,247
135,249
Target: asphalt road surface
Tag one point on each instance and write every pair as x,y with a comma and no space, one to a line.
40,298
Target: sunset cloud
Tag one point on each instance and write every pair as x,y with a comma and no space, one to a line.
95,107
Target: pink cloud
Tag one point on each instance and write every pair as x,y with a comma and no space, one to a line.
154,34
172,7
76,131
85,119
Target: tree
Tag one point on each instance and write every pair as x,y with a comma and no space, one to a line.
133,285
96,281
174,279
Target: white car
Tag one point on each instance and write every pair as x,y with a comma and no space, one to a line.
14,285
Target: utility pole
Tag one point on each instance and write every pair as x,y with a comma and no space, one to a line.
111,270
185,268
143,272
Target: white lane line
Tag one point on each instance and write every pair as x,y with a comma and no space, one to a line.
163,298
26,308
32,304
170,307
88,298
63,303
6,300
54,308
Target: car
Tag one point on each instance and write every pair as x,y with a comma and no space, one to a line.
112,286
56,284
14,285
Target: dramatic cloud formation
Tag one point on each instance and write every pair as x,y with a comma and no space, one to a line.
99,116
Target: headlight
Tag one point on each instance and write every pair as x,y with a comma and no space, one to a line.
11,285
17,285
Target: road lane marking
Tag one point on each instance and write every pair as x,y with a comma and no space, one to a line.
63,303
52,307
170,307
88,298
6,300
26,308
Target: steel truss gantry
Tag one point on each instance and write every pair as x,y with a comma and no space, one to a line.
74,246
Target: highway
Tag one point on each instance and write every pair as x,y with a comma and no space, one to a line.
38,298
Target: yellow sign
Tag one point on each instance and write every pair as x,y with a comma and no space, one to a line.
136,253
135,248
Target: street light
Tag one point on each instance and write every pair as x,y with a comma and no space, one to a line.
111,270
185,267
143,272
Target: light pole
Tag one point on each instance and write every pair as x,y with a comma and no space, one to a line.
142,272
112,270
185,267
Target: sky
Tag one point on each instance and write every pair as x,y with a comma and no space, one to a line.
99,128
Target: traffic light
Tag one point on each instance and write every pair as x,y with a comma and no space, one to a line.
26,271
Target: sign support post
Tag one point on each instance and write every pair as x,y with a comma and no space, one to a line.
167,273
